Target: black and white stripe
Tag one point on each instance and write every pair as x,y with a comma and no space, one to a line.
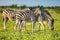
24,15
8,14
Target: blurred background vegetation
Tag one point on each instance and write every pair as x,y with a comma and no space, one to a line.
14,6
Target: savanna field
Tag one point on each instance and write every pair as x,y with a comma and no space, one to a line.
9,34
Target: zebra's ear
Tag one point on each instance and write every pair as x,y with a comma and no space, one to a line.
30,8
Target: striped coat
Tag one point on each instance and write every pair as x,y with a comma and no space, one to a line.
8,14
23,15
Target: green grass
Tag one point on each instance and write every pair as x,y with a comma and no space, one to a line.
9,34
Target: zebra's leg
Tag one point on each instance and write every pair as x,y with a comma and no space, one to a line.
24,22
16,25
39,26
33,25
5,22
43,25
20,25
40,20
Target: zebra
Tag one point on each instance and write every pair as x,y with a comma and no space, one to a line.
8,14
45,16
22,16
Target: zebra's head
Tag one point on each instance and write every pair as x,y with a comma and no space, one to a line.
51,24
12,14
37,11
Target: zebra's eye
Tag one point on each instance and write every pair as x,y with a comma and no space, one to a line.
28,12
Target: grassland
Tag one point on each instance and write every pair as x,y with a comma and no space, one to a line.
9,34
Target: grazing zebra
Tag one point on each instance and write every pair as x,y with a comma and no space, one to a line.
38,13
8,14
45,15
